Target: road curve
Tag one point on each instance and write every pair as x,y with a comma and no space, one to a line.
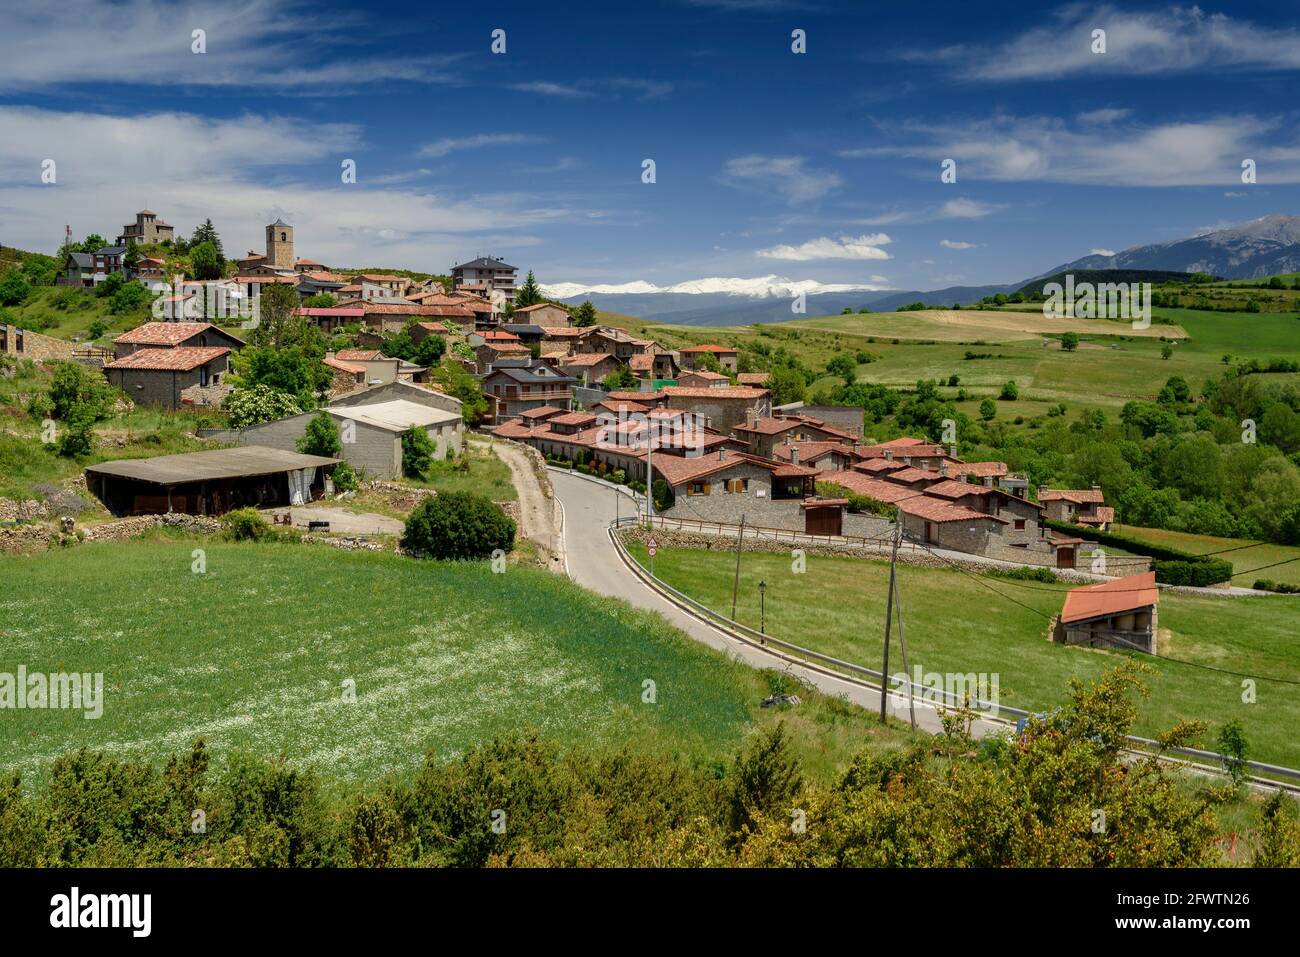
594,563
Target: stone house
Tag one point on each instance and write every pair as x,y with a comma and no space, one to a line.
722,408
173,335
488,274
1077,506
935,522
703,379
25,344
727,357
590,368
763,432
545,314
516,385
160,376
147,229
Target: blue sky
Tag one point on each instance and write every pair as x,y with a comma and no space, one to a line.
819,166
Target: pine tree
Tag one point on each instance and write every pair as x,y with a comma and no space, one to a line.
207,233
528,294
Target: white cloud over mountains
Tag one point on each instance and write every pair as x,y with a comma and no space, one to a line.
846,247
759,287
232,170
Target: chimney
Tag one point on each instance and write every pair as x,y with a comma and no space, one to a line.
794,455
751,418
952,450
722,454
907,460
889,454
988,481
943,469
1096,488
1042,490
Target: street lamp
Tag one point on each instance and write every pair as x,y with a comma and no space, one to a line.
762,609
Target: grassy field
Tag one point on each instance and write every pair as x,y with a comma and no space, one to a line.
959,623
253,654
1243,559
1113,364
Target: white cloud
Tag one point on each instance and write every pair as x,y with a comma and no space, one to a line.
1104,116
641,88
235,171
955,244
1167,40
1102,252
759,287
960,208
286,46
452,144
846,247
1202,152
787,176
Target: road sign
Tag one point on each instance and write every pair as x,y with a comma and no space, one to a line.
652,546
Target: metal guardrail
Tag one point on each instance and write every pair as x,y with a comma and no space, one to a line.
794,652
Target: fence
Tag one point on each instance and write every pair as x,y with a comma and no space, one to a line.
756,532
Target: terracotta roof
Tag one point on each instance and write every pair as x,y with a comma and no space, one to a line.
344,366
808,451
540,412
565,332
708,348
409,309
1078,496
326,277
937,510
722,392
769,426
704,374
979,469
643,398
626,408
753,378
513,429
380,277
573,418
358,354
641,363
879,465
951,488
680,469
536,306
910,475
886,492
309,262
496,335
1110,598
436,328
165,333
329,311
181,359
1102,515
587,359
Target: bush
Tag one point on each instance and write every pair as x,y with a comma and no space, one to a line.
417,453
1282,588
14,288
321,437
1199,573
345,479
246,525
1010,391
258,404
458,525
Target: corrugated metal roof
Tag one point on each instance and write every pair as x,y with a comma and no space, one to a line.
208,466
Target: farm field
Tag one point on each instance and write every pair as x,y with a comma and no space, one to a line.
957,622
1243,559
1113,364
253,655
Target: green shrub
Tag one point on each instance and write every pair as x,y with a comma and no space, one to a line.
321,437
1282,588
417,453
345,479
458,525
246,525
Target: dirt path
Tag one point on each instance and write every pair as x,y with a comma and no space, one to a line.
538,512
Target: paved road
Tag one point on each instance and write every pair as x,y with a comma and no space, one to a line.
595,564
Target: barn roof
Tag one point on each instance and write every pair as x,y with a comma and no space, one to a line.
210,465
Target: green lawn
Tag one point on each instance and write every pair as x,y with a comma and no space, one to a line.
1243,559
253,654
956,623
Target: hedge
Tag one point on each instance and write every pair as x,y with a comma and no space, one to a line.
1171,565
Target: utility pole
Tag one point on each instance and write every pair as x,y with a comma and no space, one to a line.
649,481
889,616
735,585
902,640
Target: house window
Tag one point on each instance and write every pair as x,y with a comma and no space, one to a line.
696,488
203,375
1020,524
